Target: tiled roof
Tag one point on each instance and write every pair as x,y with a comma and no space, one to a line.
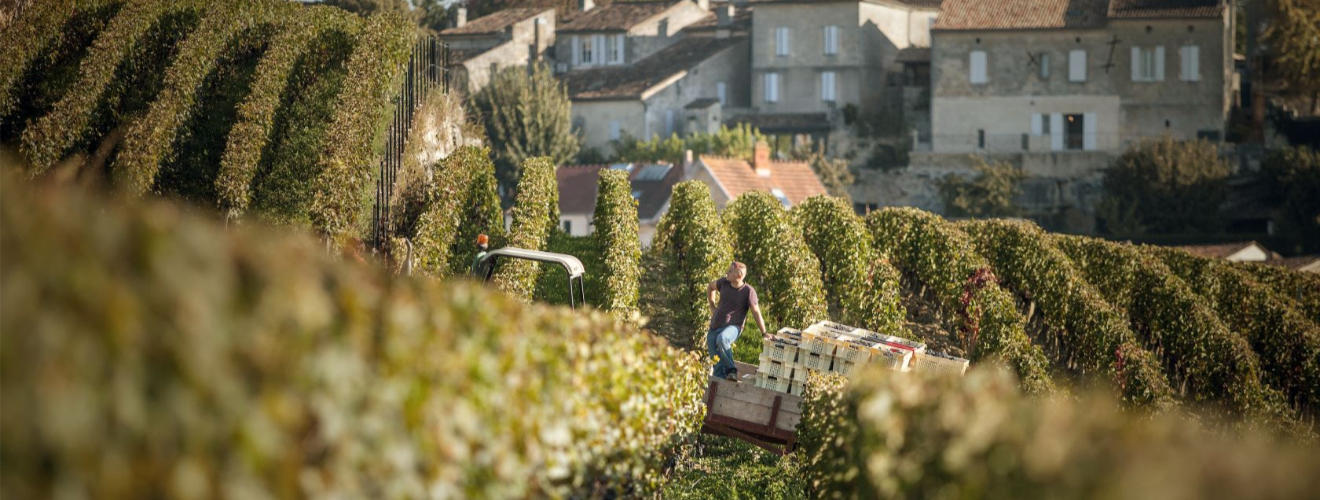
914,3
1020,14
618,16
785,122
702,103
577,188
914,55
653,193
742,19
630,82
1221,251
1141,9
795,179
1310,263
652,182
494,22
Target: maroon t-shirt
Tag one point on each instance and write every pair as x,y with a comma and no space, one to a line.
734,302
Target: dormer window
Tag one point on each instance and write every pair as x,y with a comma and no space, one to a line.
779,194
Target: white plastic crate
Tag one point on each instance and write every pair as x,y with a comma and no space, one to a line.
830,327
780,384
800,373
938,362
847,368
856,350
787,333
893,358
814,361
774,367
900,342
797,388
780,349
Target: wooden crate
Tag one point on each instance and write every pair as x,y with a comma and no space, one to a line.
763,417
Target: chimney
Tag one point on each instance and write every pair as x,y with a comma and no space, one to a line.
761,159
460,18
586,5
724,14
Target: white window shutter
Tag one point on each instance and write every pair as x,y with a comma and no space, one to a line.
1037,127
1159,63
1193,64
577,50
1088,131
1056,131
615,130
1136,64
772,87
618,48
977,65
1077,66
722,91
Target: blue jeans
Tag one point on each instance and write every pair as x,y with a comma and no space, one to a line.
719,342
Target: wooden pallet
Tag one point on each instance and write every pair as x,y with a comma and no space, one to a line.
762,417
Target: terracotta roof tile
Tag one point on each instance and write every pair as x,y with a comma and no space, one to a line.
1142,9
494,22
913,55
1020,14
577,188
618,16
795,179
630,82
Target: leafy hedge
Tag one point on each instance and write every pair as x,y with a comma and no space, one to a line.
692,239
1303,288
25,39
150,138
552,285
616,224
943,258
535,215
460,203
860,284
346,166
779,262
1288,344
895,435
1092,336
186,360
252,131
1200,354
53,135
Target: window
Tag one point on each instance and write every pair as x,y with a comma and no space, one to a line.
568,226
614,47
1044,66
722,92
772,87
779,194
587,50
827,86
980,138
977,67
1074,136
1190,56
831,40
781,41
669,123
616,130
1147,64
1077,66
598,49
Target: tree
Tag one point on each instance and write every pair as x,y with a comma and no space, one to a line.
1293,177
1165,186
834,173
1293,41
526,115
990,194
734,142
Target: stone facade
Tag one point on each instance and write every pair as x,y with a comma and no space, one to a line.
1116,103
519,44
640,39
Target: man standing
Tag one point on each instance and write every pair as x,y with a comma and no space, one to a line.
735,298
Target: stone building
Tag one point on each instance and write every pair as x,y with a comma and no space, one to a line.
813,58
510,37
622,33
652,184
1078,75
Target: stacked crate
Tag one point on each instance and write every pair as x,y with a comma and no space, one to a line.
829,347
